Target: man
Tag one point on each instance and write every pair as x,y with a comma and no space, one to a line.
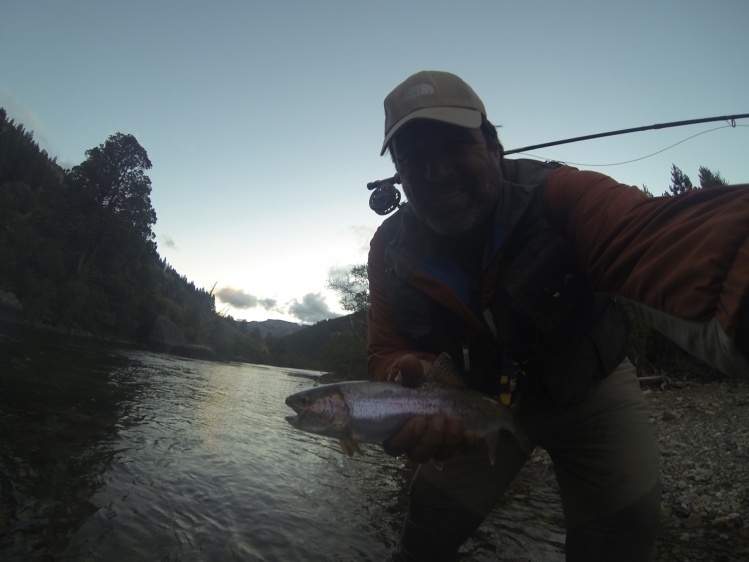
516,269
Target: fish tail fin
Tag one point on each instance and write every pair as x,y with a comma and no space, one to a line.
492,439
522,438
349,446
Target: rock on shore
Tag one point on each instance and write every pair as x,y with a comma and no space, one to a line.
10,307
703,432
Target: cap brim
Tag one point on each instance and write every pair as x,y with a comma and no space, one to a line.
460,116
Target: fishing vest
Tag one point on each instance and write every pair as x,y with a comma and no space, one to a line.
528,316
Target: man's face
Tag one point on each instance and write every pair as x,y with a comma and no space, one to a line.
449,174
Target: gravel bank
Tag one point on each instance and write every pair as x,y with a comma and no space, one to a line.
703,431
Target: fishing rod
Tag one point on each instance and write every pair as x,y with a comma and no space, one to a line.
730,118
385,197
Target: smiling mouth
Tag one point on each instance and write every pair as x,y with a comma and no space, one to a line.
447,195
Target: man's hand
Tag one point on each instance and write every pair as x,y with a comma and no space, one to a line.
437,437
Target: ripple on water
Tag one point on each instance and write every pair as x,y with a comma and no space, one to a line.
139,456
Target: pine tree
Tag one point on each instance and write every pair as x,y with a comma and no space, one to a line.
709,179
680,182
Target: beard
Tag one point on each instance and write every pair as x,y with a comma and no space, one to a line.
482,200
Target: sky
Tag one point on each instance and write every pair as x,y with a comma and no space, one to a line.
263,119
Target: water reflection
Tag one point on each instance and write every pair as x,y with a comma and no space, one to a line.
61,408
118,454
111,454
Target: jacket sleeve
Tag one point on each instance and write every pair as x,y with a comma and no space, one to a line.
386,345
684,261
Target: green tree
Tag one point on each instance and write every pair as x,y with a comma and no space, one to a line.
345,355
115,194
22,160
353,289
646,191
680,182
77,249
709,179
33,233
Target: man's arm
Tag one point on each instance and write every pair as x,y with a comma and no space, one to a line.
391,357
684,261
386,345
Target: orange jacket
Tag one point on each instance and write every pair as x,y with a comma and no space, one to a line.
683,261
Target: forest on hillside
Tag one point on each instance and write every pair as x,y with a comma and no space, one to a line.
78,253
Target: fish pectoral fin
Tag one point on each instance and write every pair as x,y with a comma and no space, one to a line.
349,446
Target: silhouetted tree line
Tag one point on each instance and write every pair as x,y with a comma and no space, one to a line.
77,248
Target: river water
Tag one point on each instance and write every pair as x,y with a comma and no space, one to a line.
109,453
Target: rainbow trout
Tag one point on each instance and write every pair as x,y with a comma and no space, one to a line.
371,412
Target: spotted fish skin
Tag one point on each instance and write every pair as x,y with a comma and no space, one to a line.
372,412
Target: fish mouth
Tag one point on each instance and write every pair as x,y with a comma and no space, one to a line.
294,419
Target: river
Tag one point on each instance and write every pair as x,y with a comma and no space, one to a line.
112,453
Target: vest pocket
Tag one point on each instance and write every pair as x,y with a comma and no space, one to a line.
568,374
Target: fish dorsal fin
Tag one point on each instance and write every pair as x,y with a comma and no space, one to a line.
444,371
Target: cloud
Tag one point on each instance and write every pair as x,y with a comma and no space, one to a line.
239,299
311,309
168,241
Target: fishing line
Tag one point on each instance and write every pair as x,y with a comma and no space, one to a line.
731,119
730,126
385,197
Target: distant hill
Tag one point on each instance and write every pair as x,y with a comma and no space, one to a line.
337,345
311,339
273,328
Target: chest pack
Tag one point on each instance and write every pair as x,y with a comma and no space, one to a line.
529,314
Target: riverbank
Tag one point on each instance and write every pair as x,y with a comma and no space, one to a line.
703,434
186,350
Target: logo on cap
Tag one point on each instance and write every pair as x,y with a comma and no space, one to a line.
419,90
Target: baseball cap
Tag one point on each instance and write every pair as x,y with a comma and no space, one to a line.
435,95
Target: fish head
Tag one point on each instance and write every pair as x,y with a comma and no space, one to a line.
321,410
